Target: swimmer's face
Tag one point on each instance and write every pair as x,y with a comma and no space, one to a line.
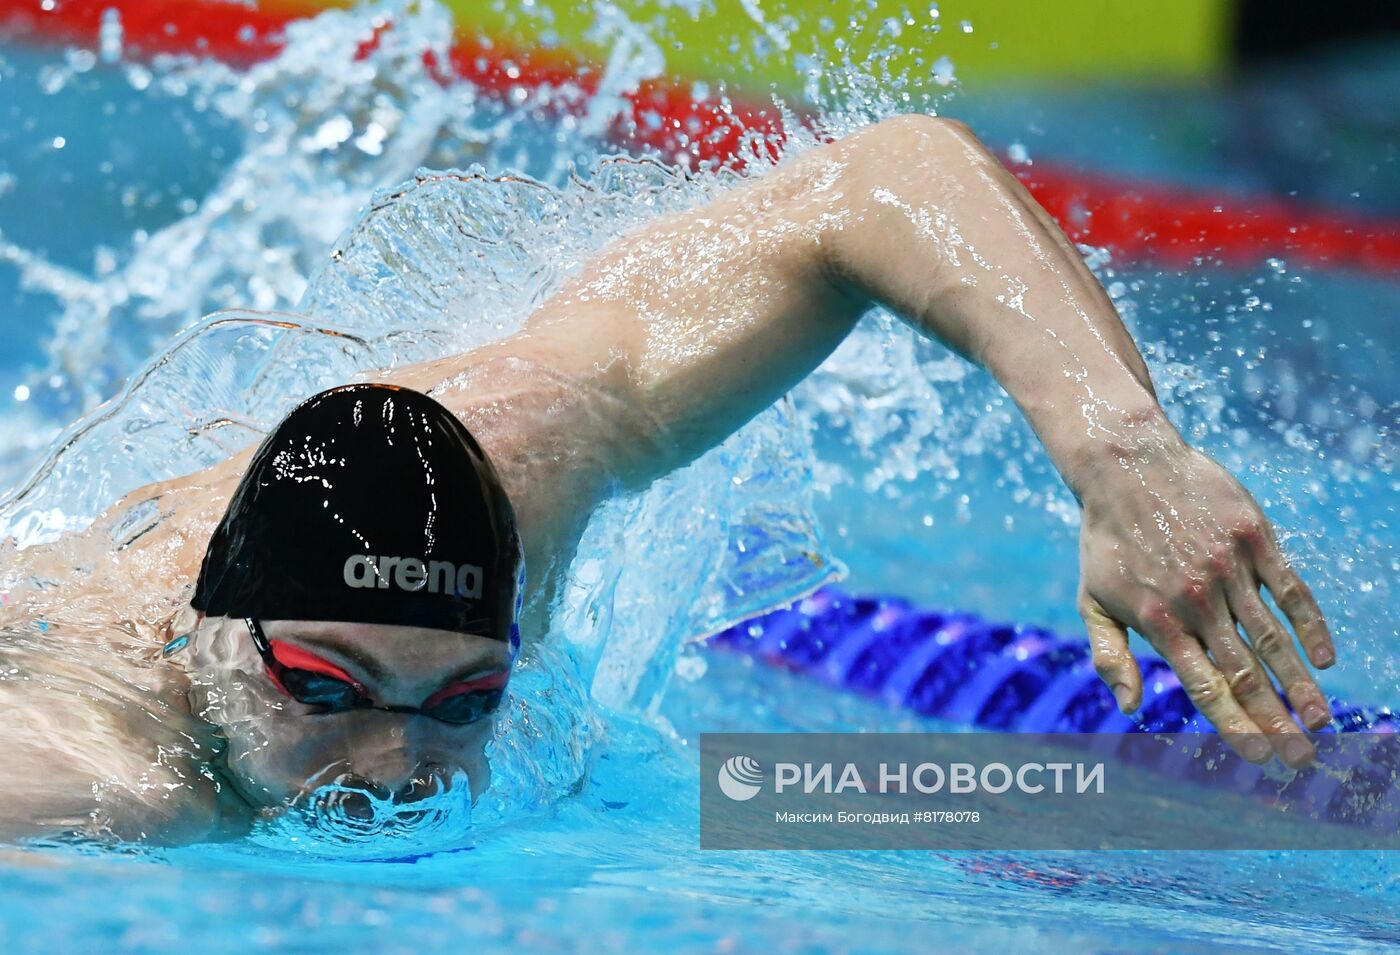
280,748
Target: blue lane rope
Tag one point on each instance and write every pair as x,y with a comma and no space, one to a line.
960,668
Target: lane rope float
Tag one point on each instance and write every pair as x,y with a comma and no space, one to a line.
961,668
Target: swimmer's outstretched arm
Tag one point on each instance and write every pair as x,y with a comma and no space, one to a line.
704,319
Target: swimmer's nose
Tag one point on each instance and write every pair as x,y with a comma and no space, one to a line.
419,783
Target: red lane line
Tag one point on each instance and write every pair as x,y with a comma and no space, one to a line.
227,31
1137,221
1181,227
663,116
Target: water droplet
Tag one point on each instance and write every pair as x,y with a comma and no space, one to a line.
943,71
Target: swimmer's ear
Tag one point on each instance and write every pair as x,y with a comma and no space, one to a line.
185,621
180,630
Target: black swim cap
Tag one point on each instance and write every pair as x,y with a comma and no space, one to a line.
368,504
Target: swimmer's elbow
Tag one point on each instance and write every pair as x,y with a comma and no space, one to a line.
912,136
917,157
921,124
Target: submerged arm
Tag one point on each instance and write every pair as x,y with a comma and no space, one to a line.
702,320
74,761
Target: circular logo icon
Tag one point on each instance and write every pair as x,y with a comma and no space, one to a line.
740,778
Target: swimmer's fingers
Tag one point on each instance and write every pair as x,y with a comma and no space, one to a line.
1275,645
1210,692
1296,601
1115,664
1250,685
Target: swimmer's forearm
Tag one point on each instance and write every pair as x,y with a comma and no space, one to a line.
944,235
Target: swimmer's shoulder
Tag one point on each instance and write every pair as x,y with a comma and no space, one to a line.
540,420
98,748
555,437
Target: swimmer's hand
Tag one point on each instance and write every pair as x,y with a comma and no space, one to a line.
1173,547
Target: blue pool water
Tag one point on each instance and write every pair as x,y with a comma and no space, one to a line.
178,189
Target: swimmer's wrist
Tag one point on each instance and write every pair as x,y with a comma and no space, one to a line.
1095,460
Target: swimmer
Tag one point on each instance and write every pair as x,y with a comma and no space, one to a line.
346,601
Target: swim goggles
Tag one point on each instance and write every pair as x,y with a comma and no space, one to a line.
308,679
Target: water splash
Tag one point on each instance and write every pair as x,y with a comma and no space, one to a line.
342,821
324,123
